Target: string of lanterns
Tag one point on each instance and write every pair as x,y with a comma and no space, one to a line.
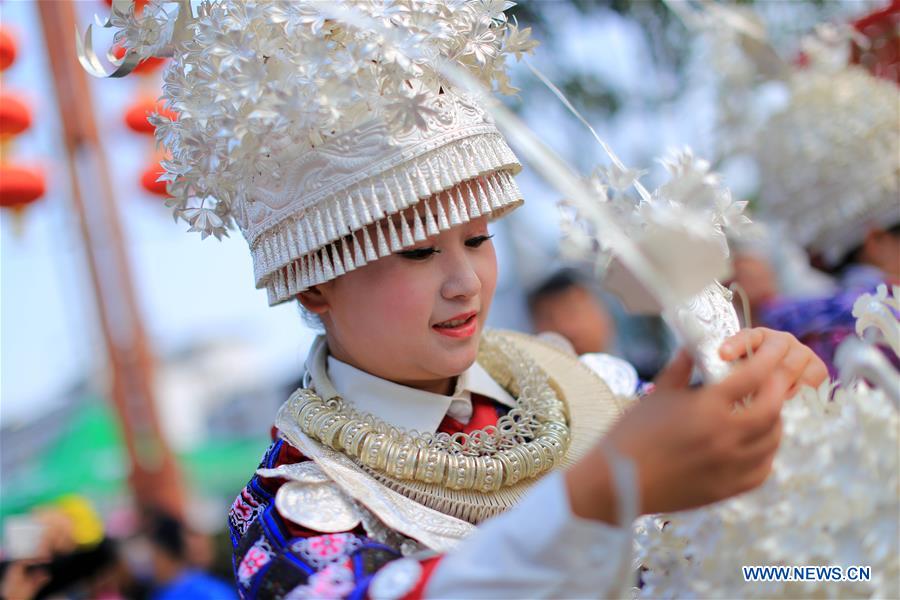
20,184
146,103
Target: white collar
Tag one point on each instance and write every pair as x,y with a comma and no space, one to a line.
408,407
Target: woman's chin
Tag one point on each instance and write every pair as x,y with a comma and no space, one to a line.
452,363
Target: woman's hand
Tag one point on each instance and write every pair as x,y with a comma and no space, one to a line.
696,446
799,363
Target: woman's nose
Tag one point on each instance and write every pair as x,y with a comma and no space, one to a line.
461,279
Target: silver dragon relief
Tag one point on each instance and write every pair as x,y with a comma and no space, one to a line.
707,320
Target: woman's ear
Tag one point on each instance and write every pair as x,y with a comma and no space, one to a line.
314,300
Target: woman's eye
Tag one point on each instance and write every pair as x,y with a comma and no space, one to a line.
478,240
418,253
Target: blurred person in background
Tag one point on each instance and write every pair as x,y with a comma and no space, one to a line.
566,305
769,269
22,579
174,577
829,174
70,555
822,322
567,312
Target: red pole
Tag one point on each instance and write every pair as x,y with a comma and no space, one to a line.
155,480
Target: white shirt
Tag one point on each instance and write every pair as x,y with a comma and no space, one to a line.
538,548
410,408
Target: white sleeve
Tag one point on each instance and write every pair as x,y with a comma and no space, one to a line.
538,549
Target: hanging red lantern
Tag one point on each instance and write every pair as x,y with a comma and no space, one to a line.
149,180
15,116
20,186
138,5
7,50
146,66
137,113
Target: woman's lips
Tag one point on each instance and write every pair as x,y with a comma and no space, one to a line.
463,330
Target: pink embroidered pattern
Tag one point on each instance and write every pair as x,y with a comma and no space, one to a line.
334,581
325,549
257,556
244,509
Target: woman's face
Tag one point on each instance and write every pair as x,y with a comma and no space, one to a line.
414,317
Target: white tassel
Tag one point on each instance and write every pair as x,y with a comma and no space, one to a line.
309,273
289,239
452,164
370,249
336,260
430,226
484,206
454,212
443,176
330,231
392,235
320,229
303,273
436,179
377,212
350,211
340,224
383,249
418,226
459,194
398,189
358,257
327,267
348,260
495,193
363,207
410,191
473,202
310,235
406,237
509,186
443,224
318,275
285,278
421,186
390,206
281,249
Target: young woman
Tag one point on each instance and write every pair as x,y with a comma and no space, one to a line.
423,456
402,338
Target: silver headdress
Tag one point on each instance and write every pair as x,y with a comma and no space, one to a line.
305,131
828,158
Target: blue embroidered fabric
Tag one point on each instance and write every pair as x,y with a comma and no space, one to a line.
275,558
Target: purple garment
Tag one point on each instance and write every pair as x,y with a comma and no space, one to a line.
823,323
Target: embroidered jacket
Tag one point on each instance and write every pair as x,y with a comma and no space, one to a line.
273,557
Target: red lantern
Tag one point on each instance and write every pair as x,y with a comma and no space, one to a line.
15,117
7,50
149,180
137,113
138,5
20,186
145,67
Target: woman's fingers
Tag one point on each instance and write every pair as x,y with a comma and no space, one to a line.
747,376
735,347
815,372
764,411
